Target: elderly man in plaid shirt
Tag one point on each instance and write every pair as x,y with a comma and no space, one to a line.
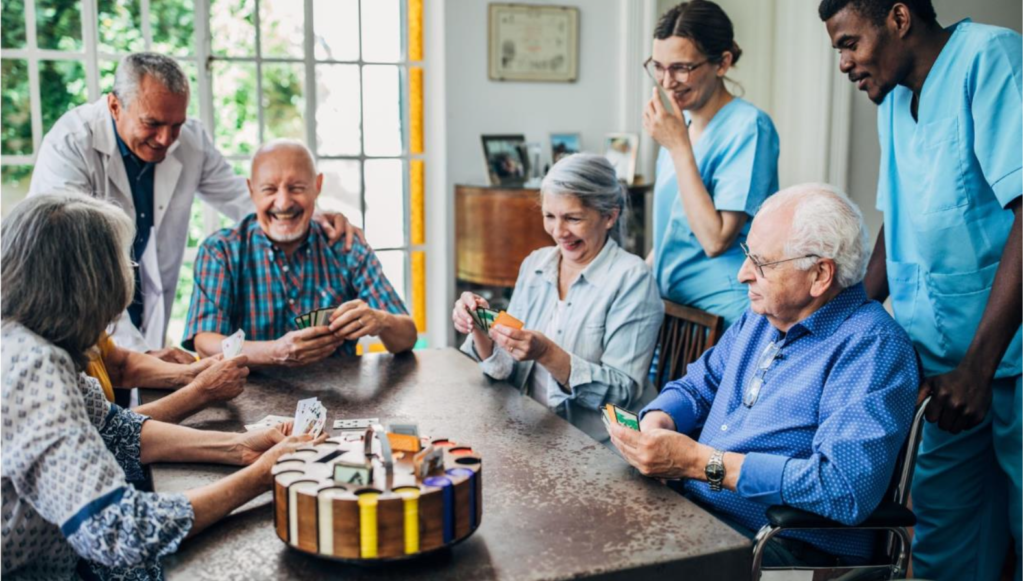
277,264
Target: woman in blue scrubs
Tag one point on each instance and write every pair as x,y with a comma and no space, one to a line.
718,161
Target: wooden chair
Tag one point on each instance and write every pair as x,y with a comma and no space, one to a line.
685,335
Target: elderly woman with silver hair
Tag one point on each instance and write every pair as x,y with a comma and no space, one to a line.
591,310
68,452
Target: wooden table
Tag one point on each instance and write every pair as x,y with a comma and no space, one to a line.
557,505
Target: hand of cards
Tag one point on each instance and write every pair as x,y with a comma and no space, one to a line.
615,414
232,346
315,318
486,318
310,417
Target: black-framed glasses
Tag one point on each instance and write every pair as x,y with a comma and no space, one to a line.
680,72
760,265
768,356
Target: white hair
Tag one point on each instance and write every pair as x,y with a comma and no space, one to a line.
135,66
825,224
591,179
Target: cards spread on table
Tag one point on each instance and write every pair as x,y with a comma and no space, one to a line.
310,417
622,417
486,318
232,346
267,422
315,318
355,424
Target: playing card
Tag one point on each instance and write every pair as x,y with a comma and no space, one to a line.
487,317
298,322
267,422
508,320
320,419
625,418
232,346
355,424
304,416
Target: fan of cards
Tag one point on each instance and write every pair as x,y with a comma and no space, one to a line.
310,417
486,318
232,346
315,318
615,414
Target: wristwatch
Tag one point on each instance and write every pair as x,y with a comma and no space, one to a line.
715,471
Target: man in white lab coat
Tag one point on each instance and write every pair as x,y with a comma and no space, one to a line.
137,148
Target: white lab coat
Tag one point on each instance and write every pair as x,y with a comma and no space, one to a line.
80,153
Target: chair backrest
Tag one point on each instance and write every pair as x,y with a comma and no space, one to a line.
685,334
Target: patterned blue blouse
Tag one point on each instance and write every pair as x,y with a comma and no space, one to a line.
68,453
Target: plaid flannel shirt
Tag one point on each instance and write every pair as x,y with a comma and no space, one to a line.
242,281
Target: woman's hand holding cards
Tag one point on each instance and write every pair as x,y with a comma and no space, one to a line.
222,380
521,344
273,444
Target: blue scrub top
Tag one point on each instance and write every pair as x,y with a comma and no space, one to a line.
738,159
944,183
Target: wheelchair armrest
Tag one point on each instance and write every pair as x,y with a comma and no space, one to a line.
888,514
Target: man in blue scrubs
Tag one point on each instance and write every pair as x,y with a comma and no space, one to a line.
949,256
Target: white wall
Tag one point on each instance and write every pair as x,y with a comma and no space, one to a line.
864,151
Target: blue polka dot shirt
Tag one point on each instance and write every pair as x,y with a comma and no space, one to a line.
833,410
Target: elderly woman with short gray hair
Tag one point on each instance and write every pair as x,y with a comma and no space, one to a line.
69,452
591,310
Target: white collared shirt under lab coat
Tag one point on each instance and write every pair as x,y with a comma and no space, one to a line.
80,153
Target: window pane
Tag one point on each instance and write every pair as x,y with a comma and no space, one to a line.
284,104
382,21
393,263
120,26
337,110
382,118
336,29
232,27
61,88
173,23
59,24
236,125
281,22
14,187
340,191
385,203
12,22
15,112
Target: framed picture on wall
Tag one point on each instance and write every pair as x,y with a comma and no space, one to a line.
506,159
527,42
563,144
620,149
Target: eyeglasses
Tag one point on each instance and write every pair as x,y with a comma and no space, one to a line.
760,265
768,356
680,72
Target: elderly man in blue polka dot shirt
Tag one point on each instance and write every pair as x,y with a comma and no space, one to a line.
806,400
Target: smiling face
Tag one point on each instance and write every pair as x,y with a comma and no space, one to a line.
784,293
152,122
284,187
869,54
580,232
701,83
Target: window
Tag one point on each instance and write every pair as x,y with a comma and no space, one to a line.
343,76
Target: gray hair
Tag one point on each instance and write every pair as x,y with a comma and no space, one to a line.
826,224
135,66
591,179
65,269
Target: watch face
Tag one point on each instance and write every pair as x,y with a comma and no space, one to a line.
715,471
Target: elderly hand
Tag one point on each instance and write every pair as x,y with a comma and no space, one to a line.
336,225
668,128
222,381
355,319
656,452
461,317
305,346
960,399
173,355
521,344
282,445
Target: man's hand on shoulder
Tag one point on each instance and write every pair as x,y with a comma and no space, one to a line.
336,226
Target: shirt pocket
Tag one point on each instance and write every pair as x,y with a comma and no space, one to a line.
904,285
942,190
958,301
590,343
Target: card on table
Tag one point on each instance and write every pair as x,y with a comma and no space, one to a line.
355,424
232,346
